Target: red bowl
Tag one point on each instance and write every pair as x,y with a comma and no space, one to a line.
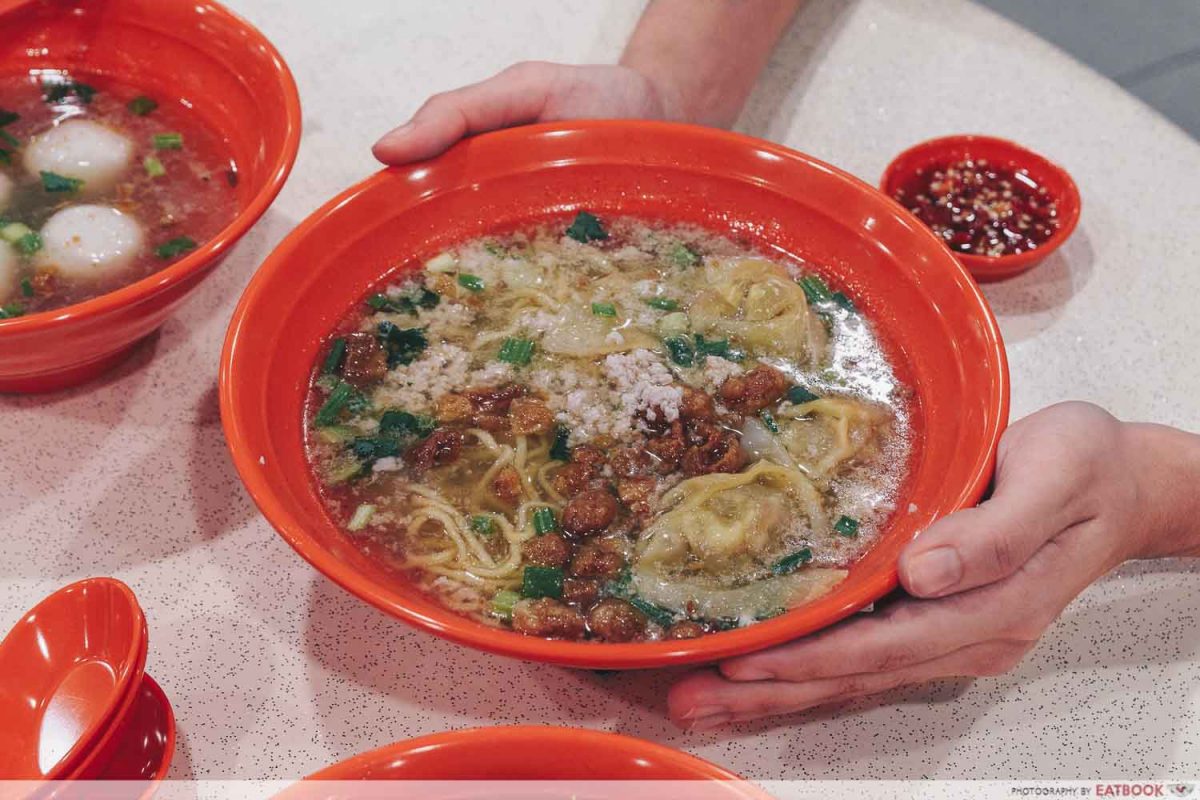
1002,152
142,743
69,671
192,49
929,314
524,753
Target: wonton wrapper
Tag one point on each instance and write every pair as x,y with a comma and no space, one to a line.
581,334
823,434
759,306
723,529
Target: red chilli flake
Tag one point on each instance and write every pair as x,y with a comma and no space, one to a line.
980,209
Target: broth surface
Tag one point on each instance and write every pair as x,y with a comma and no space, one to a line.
179,185
610,430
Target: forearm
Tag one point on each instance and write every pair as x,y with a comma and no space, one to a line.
704,56
1168,469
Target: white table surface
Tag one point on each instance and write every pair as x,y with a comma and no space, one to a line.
275,672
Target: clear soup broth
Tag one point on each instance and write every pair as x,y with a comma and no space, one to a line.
101,185
610,430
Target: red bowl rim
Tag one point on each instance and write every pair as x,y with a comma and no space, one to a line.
204,255
79,752
548,736
1011,264
462,630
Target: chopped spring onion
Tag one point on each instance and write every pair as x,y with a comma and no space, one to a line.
337,434
8,117
799,395
174,248
11,310
815,289
141,105
516,351
13,232
684,256
344,470
712,347
663,303
168,141
586,228
560,451
337,354
844,301
789,564
503,602
403,345
604,309
544,521
57,91
768,419
154,167
338,401
27,287
542,582
402,423
484,524
681,351
846,526
29,244
53,182
657,614
362,516
9,139
473,283
369,450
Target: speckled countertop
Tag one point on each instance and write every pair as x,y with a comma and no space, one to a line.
275,672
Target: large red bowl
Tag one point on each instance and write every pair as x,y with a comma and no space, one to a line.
927,310
194,50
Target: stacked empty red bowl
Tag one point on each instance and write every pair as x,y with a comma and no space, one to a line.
74,695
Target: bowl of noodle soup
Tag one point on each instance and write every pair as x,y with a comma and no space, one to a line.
612,394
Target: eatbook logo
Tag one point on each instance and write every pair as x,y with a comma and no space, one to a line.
1181,789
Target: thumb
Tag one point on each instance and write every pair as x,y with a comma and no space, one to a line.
516,96
978,546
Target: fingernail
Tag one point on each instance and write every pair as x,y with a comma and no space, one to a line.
934,571
702,711
710,722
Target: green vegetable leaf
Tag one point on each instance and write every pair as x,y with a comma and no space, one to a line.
175,247
684,256
168,141
402,423
337,354
516,351
560,451
846,526
56,91
799,395
403,345
845,302
542,582
8,117
604,309
28,244
586,228
53,182
663,303
791,563
815,289
141,105
340,400
27,288
681,351
9,139
11,311
472,283
657,614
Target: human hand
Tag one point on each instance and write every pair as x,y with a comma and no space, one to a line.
532,91
1077,492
